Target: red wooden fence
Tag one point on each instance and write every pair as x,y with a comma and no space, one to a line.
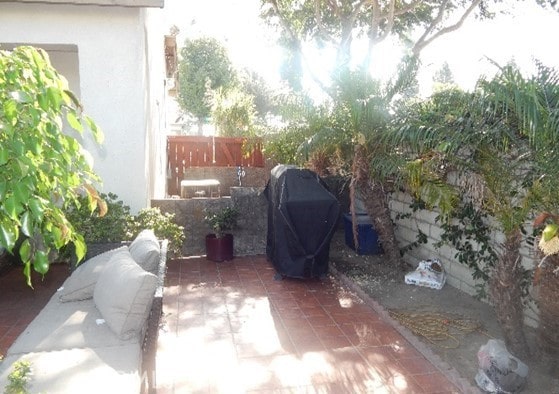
195,151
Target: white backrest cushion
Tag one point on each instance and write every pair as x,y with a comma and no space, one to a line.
80,285
145,250
124,294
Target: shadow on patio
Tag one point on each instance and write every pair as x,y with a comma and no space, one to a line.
231,328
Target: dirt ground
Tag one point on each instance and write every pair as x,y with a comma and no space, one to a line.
455,347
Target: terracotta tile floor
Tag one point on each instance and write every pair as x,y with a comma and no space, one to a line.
231,328
19,304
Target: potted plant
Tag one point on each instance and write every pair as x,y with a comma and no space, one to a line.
219,244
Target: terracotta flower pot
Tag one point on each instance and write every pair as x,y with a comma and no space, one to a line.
219,249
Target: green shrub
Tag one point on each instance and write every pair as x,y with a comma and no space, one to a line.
162,224
109,228
18,379
119,225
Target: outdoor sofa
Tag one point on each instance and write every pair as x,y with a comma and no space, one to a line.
98,333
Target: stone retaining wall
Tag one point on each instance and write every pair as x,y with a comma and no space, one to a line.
228,176
250,234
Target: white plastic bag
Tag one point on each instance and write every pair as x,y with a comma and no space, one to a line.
429,273
499,371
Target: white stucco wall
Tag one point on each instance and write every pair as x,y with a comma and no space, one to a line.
112,56
156,97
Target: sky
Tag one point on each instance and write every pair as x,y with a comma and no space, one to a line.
528,32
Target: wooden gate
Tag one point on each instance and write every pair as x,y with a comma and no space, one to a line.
184,152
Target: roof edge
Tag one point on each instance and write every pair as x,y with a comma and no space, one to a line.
108,3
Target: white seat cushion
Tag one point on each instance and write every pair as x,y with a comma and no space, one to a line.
66,325
145,250
80,285
124,294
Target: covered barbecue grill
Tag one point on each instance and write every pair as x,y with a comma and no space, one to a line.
302,218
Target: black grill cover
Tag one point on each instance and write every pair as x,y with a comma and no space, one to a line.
302,218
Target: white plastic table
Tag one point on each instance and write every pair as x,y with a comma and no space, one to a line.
211,184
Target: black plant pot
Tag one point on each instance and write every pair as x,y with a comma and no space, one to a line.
219,249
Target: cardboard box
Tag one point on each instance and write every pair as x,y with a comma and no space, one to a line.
429,273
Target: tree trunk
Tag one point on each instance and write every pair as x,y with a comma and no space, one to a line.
376,204
506,294
547,287
200,126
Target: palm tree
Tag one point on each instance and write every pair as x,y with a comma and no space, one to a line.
356,123
499,138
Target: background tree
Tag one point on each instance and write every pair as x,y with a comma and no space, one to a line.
443,78
263,95
203,69
338,24
44,171
233,113
297,114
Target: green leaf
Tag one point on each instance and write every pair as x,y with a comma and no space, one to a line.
10,111
69,96
25,251
34,146
19,148
55,98
43,102
21,193
41,262
11,207
26,224
37,209
27,272
40,167
4,155
80,246
23,166
74,121
95,130
21,97
57,237
8,234
37,56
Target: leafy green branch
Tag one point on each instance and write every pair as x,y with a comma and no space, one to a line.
44,168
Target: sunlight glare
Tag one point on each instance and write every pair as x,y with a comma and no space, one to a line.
528,32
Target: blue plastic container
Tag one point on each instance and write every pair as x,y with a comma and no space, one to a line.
367,236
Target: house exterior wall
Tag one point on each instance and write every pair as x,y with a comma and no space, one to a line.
114,60
155,105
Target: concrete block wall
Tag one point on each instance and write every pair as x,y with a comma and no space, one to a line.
458,275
